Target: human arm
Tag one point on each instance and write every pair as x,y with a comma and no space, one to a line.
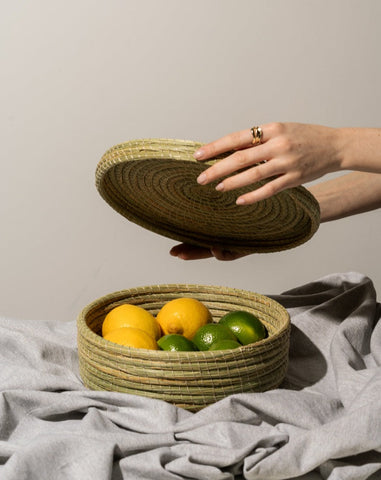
297,154
350,194
294,154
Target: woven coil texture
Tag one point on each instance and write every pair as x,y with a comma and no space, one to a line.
152,182
191,380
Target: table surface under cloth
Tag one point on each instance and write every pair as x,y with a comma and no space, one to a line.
326,418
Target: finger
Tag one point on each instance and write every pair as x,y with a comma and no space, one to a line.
190,252
266,191
233,141
225,255
252,175
234,162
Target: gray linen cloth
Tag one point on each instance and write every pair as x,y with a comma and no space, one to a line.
325,419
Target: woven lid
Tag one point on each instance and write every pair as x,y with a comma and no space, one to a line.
152,182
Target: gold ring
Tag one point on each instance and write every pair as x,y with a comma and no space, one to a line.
257,135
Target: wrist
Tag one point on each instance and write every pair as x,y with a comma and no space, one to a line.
359,149
344,147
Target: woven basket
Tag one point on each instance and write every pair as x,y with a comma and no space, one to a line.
191,380
152,182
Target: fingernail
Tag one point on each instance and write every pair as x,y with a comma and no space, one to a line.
198,154
220,187
201,179
240,201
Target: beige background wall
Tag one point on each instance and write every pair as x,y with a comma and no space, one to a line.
79,76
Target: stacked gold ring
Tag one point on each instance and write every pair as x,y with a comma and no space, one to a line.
257,135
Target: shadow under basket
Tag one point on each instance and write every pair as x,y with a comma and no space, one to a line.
190,380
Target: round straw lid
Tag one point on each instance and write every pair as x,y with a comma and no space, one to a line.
152,182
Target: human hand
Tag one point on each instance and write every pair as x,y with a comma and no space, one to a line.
185,251
289,155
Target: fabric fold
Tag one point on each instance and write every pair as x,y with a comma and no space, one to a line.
324,422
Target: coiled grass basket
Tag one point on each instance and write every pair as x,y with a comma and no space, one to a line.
191,380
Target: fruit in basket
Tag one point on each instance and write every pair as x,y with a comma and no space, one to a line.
245,326
183,316
209,334
132,337
225,345
127,315
176,343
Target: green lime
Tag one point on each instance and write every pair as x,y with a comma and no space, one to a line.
176,343
245,326
211,333
225,345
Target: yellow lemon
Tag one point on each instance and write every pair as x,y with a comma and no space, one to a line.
127,315
183,316
132,337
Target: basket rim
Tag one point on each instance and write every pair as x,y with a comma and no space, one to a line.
85,330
